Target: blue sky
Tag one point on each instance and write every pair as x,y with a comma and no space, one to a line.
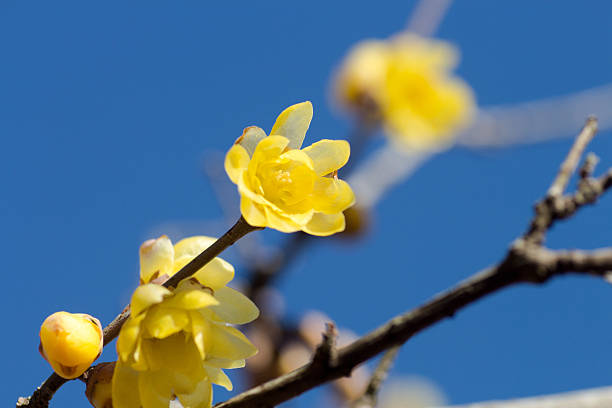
107,112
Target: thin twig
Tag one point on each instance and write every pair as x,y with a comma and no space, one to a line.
588,167
568,167
41,397
325,354
239,230
370,396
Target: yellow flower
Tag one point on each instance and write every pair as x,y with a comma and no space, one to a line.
176,343
289,189
407,82
70,342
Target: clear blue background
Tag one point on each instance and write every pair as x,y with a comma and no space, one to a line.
106,111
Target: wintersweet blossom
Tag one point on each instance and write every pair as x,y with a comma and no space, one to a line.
70,342
285,187
407,83
176,343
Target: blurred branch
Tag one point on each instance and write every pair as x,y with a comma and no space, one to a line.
593,398
526,262
427,16
41,397
539,120
382,170
370,396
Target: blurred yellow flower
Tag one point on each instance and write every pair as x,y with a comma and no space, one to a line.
407,83
285,187
70,342
176,343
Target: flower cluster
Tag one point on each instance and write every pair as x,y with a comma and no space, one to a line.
406,82
285,187
176,343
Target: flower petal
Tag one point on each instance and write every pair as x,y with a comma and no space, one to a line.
227,342
125,386
147,295
236,161
331,195
192,246
138,360
234,307
298,156
156,258
362,73
189,296
154,392
252,212
438,55
199,328
225,363
217,273
269,148
162,321
325,224
182,367
128,336
293,123
328,155
251,136
280,222
217,376
201,397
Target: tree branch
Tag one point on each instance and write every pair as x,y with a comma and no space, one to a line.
568,167
526,262
370,396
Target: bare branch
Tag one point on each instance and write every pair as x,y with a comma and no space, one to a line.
539,120
552,209
325,354
370,396
588,167
525,262
43,394
568,167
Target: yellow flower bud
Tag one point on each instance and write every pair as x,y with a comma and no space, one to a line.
70,342
99,385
